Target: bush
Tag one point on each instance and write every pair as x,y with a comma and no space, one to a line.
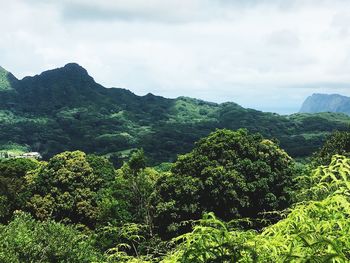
27,240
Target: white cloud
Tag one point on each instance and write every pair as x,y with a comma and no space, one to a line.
257,53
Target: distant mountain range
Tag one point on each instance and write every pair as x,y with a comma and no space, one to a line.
65,109
326,103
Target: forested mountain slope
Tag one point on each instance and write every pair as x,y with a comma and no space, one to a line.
65,109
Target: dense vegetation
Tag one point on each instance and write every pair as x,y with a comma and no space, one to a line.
236,197
112,187
337,143
233,174
64,109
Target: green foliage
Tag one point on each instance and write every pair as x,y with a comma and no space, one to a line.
66,189
5,80
124,215
137,184
114,205
64,110
213,241
137,161
14,148
27,240
102,168
127,200
337,143
234,174
164,167
325,180
12,184
188,110
313,231
133,243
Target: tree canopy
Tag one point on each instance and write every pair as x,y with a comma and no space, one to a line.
66,189
12,184
236,197
337,143
234,174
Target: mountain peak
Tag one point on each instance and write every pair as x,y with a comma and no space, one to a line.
67,86
71,72
318,102
75,67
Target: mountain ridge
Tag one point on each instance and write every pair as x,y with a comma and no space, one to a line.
65,109
7,79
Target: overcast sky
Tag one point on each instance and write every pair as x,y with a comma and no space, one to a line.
267,55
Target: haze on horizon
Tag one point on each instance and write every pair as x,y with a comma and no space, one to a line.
267,55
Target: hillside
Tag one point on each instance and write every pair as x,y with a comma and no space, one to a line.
326,103
65,109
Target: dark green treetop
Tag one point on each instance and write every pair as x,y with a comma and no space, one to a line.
66,189
231,173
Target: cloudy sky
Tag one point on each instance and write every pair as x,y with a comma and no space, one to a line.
267,55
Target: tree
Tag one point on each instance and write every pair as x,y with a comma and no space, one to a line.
232,173
66,189
12,184
337,143
137,161
314,230
27,240
102,167
127,200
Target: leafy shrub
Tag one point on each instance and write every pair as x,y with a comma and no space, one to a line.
27,240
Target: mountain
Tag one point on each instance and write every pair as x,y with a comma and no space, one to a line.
65,109
326,103
6,80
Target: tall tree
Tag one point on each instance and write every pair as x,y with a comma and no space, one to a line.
66,189
337,143
232,173
12,184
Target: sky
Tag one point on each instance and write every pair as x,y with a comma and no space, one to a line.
266,55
